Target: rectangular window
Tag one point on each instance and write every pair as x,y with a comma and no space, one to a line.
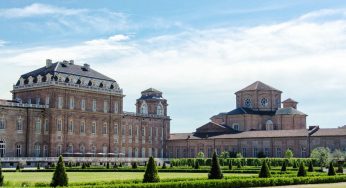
137,130
38,100
93,127
116,107
18,150
105,106
116,140
38,125
255,152
47,100
143,131
82,127
243,152
59,125
70,126
29,101
303,152
60,102
19,124
123,130
278,152
71,103
104,128
266,152
130,130
46,125
82,104
94,105
45,150
116,129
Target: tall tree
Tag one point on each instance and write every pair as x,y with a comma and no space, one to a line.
321,154
151,172
59,177
215,171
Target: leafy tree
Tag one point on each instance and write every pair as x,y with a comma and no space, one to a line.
338,154
239,155
230,165
215,171
224,154
200,155
151,172
264,173
340,168
59,177
321,154
289,153
196,164
261,154
284,166
164,165
311,167
301,170
331,170
1,177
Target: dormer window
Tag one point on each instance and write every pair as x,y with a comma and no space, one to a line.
144,108
39,79
159,109
31,80
48,77
247,103
235,126
21,81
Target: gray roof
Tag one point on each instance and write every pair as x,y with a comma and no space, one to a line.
289,100
151,90
67,68
330,132
289,111
258,85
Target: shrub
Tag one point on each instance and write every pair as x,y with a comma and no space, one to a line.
294,164
17,168
120,165
289,153
134,165
107,166
83,166
151,172
38,166
301,171
115,165
196,165
215,171
239,165
230,165
311,167
59,176
164,165
261,154
1,177
340,168
331,170
171,165
264,173
283,167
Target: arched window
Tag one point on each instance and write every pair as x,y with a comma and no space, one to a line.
93,150
104,150
58,150
144,108
93,127
159,109
2,148
269,125
19,124
104,128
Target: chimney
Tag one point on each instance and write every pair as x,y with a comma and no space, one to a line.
86,66
71,62
48,63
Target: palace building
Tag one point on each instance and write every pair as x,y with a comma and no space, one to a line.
71,110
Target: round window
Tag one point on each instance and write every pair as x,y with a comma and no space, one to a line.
264,102
247,103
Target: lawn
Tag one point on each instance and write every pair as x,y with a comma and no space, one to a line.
18,178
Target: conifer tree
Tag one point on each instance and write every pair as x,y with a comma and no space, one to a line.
59,177
230,165
38,166
215,171
134,165
164,165
151,172
283,167
311,167
301,170
331,170
264,173
17,168
83,166
107,165
171,165
115,165
196,164
294,164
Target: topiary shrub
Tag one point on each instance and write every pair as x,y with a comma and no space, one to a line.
151,172
171,165
284,166
115,165
215,171
59,177
164,165
230,165
1,177
107,165
340,168
120,165
83,166
134,165
239,165
17,168
301,170
311,167
38,166
196,165
331,170
294,164
264,173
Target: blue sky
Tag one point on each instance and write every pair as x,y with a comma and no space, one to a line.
197,52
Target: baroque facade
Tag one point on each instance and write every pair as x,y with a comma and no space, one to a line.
73,110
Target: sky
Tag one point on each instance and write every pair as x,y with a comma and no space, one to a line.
198,53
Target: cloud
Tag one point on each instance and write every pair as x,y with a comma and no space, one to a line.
2,43
199,70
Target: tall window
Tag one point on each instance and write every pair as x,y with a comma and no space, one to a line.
255,151
71,103
94,105
303,151
38,125
116,129
82,127
46,125
70,126
278,152
82,104
130,130
58,150
37,150
70,148
123,130
47,100
2,148
93,127
82,149
144,108
143,152
60,102
143,131
45,150
59,125
38,100
18,150
104,128
2,123
244,152
137,130
19,124
266,152
116,107
93,149
159,109
105,106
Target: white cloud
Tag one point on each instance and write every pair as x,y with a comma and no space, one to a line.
2,43
199,70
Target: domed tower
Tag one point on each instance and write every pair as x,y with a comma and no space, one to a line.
151,102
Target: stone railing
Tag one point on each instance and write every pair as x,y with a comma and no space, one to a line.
23,105
71,85
144,115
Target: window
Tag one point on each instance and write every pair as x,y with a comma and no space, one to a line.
47,100
38,100
82,104
264,102
59,125
60,102
94,105
29,101
58,150
123,130
116,139
18,150
156,132
130,130
137,130
247,103
71,103
116,129
82,127
116,107
105,128
278,152
143,152
45,150
104,150
2,148
143,131
136,152
243,152
46,125
266,152
303,152
37,150
2,123
70,149
105,106
70,126
38,125
82,149
19,124
144,108
255,152
129,152
159,109
93,149
235,126
93,127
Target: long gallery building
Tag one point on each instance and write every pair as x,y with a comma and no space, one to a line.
72,110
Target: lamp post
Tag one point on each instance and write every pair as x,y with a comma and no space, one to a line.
187,146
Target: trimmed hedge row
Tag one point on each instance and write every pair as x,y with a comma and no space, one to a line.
246,182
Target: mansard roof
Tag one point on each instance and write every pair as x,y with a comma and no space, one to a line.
289,111
330,132
241,110
151,90
151,93
68,68
258,85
